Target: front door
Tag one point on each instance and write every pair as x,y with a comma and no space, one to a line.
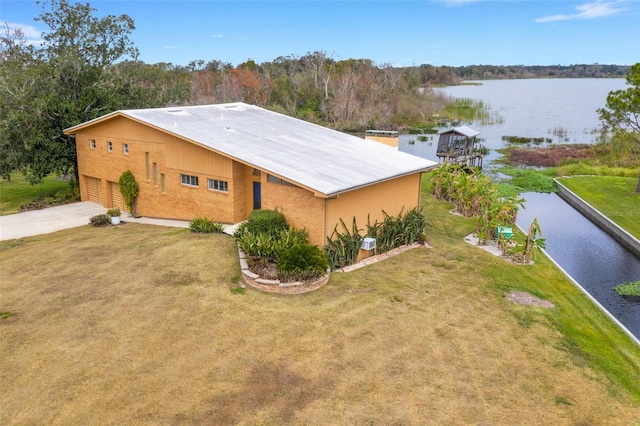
257,197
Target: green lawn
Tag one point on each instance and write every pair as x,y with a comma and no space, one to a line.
18,191
141,324
613,196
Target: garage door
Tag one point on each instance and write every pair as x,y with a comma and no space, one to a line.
94,189
116,196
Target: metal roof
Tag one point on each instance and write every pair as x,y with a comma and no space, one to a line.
462,130
318,158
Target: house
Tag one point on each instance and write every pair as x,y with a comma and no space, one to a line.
223,161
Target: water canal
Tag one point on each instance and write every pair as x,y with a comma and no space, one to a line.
588,254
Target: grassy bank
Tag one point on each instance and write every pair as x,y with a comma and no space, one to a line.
18,191
615,197
141,324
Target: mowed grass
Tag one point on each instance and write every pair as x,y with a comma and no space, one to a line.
614,197
138,324
18,191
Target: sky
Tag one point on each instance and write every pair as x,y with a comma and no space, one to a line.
400,33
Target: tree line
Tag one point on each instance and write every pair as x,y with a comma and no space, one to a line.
88,67
495,72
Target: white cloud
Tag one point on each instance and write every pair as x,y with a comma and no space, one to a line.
216,35
32,36
598,9
169,47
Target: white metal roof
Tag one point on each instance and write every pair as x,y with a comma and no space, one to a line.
463,130
318,158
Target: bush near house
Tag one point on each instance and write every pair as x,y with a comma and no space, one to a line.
302,262
266,237
264,221
342,248
204,225
100,220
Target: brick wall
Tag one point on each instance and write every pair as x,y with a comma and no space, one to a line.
301,208
177,201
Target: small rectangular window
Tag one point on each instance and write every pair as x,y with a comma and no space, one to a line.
155,174
189,180
218,185
273,179
256,172
277,180
92,143
125,148
147,163
109,146
163,180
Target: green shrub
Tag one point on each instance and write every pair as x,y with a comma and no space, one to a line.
394,232
342,248
265,221
302,262
270,244
100,220
114,212
205,225
55,198
129,189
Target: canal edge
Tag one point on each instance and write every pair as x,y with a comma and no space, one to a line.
624,238
593,299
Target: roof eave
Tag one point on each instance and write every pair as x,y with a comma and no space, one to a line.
343,191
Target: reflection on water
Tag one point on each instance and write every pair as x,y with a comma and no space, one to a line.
587,253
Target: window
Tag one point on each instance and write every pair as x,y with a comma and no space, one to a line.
155,174
189,180
109,146
147,163
218,185
256,172
163,180
92,143
277,180
125,148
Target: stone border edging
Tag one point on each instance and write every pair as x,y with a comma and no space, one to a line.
624,238
378,257
275,286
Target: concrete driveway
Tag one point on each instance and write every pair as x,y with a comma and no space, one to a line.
48,220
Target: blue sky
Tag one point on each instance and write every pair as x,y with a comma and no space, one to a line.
401,33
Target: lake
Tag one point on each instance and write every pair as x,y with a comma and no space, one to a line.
564,110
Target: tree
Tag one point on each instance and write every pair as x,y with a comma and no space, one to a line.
621,115
77,74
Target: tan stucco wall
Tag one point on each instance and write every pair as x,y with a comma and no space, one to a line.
390,196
